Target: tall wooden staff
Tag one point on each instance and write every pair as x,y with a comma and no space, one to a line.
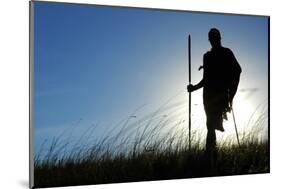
189,95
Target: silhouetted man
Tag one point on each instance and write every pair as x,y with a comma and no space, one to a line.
220,81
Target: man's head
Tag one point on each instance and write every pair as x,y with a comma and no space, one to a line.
215,37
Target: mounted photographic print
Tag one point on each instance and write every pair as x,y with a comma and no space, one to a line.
122,94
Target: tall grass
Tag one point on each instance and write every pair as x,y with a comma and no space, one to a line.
149,149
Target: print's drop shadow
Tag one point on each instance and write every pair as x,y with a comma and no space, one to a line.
24,183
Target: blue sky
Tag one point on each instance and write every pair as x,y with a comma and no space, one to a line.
99,64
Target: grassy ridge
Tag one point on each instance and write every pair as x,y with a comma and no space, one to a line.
250,158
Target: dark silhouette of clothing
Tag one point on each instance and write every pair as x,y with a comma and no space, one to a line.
220,81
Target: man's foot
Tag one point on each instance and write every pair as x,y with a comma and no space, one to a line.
220,128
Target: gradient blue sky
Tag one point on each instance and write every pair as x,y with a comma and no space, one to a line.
98,64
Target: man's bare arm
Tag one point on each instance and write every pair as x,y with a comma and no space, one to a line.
191,88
